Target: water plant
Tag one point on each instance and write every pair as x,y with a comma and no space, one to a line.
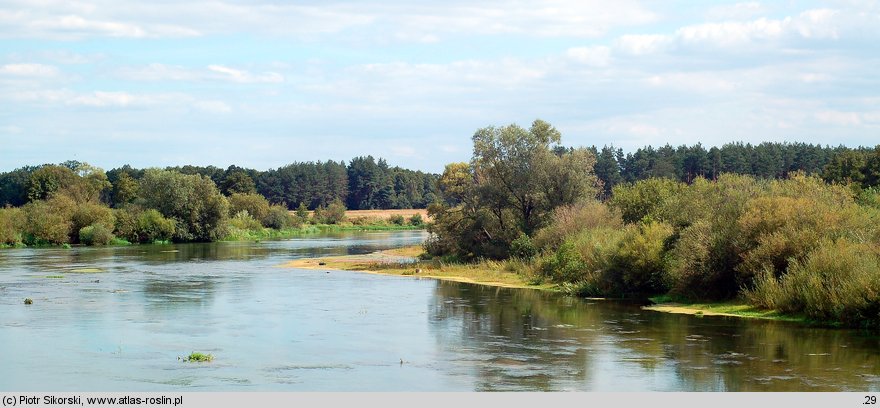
199,357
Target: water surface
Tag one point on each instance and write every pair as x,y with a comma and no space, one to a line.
273,328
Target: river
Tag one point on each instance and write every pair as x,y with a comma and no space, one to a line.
119,319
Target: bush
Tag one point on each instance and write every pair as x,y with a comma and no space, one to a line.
643,198
703,262
332,214
838,281
584,259
639,264
152,226
396,219
571,219
87,214
416,220
255,205
522,247
245,221
11,224
48,222
279,218
95,234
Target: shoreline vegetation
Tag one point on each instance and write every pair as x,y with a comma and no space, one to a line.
405,261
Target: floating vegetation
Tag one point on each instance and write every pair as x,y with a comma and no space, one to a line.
28,301
86,270
54,276
197,357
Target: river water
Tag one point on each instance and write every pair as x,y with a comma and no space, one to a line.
118,319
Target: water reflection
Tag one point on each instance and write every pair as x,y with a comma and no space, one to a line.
516,339
118,318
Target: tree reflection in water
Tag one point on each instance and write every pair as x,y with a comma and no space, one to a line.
513,339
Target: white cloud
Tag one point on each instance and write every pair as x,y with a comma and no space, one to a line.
235,75
599,56
738,11
29,70
104,99
641,44
409,22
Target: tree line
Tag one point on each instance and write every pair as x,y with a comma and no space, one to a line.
767,160
364,183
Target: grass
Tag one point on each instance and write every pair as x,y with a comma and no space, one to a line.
199,357
670,304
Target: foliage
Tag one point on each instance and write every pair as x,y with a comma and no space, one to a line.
302,212
522,247
48,221
95,234
238,182
244,221
192,201
332,214
396,219
644,198
838,281
279,218
87,214
514,182
254,204
416,220
199,357
639,262
11,224
570,219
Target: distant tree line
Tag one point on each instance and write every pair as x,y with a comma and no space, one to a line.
766,161
365,183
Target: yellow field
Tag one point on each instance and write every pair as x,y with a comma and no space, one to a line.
382,214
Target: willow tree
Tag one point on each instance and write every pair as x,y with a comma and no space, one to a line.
514,180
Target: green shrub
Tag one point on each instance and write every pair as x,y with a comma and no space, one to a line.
703,262
302,212
332,214
95,234
571,219
638,264
416,220
86,214
522,247
48,222
396,219
279,218
245,221
643,198
152,226
838,281
255,205
11,225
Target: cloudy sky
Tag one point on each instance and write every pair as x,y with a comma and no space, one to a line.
262,84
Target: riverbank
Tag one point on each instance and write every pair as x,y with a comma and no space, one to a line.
730,309
403,262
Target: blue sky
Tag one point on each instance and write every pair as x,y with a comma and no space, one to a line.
262,84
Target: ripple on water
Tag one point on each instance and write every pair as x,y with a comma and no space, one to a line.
292,367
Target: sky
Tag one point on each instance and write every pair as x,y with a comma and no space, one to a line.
262,84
